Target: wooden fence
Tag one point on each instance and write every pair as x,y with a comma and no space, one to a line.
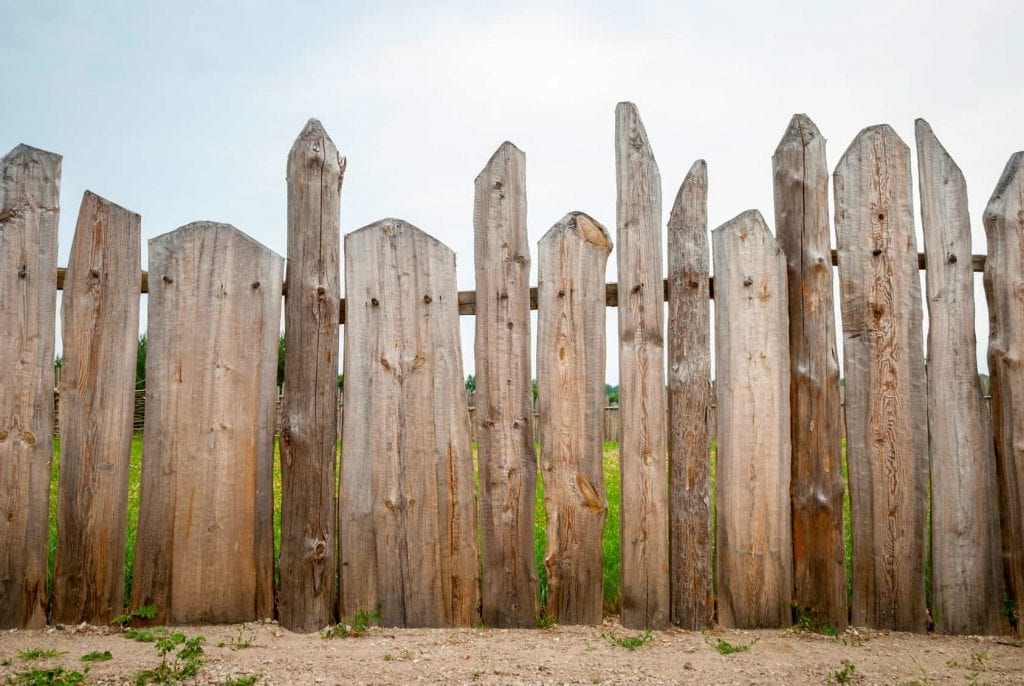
397,525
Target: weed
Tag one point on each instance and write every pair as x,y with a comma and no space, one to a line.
808,622
388,657
145,635
630,642
97,656
545,621
726,648
144,612
181,658
52,676
361,623
243,640
39,654
6,662
243,680
843,675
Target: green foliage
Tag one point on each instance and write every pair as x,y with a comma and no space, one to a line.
471,383
726,648
97,656
361,623
545,621
39,654
843,675
808,622
280,361
244,639
140,363
611,394
52,676
144,612
242,680
181,658
629,642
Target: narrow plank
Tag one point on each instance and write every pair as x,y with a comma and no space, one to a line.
205,514
570,379
755,540
29,209
887,432
689,401
1004,217
100,329
800,177
504,400
645,578
309,417
408,515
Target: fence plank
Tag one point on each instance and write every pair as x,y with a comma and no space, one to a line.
504,397
886,424
689,400
755,543
29,209
1004,217
967,565
644,534
408,516
801,218
309,416
204,550
570,380
100,327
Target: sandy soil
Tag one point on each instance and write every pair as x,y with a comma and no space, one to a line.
575,655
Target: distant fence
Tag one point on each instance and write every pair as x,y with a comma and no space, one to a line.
397,524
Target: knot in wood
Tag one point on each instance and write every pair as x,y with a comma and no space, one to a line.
168,279
561,292
748,281
876,252
504,295
636,288
693,283
94,273
427,299
374,302
521,259
22,271
255,285
951,259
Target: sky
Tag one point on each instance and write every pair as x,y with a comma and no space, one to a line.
186,111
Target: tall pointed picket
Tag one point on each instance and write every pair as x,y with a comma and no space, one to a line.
204,549
100,326
570,380
29,209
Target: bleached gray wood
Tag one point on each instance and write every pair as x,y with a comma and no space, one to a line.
689,400
504,398
309,417
755,540
204,549
100,328
967,564
1004,221
644,533
572,257
800,177
886,425
29,209
408,512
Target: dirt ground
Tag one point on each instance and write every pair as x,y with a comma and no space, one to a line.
559,655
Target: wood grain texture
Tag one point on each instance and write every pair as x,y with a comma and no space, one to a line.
1004,229
755,538
204,549
967,565
504,396
309,429
408,511
29,209
644,534
100,329
689,401
572,258
887,433
800,176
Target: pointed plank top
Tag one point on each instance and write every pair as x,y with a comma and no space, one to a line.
392,225
883,131
505,150
743,222
218,227
90,196
1006,179
800,132
698,174
22,150
584,226
628,122
926,136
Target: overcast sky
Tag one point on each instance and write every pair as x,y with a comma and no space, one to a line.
183,114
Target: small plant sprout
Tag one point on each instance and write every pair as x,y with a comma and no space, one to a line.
97,656
361,623
39,654
843,675
725,648
629,642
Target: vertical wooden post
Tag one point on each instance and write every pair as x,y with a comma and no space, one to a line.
309,418
100,327
570,381
1004,221
204,549
801,217
887,432
645,585
755,544
689,397
504,400
29,209
408,514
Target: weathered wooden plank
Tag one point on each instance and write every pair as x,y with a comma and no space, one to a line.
689,399
570,379
755,540
29,209
100,328
800,178
967,565
887,432
204,549
408,514
644,534
504,399
1004,228
309,418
